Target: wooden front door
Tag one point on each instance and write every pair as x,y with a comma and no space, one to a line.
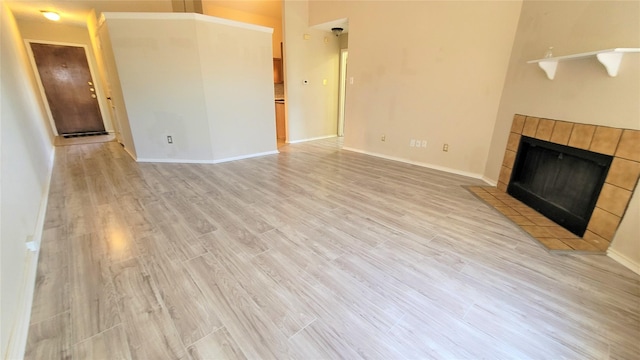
69,88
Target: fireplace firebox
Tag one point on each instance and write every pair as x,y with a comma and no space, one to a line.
563,183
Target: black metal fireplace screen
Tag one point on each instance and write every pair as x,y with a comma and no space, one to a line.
563,183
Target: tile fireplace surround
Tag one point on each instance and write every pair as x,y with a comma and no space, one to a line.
622,144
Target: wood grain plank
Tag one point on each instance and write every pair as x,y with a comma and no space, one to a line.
257,336
50,339
117,238
110,344
51,294
321,342
192,314
93,297
169,235
217,345
150,332
286,313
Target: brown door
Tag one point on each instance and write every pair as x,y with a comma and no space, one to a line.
69,88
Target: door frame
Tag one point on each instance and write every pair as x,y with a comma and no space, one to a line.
107,81
342,91
106,116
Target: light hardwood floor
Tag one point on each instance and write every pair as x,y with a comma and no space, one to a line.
315,253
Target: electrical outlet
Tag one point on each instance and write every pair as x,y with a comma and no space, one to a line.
424,143
445,147
412,143
383,138
170,139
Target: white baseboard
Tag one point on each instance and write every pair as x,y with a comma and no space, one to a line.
129,152
174,161
18,338
490,181
311,139
246,156
217,161
625,261
426,165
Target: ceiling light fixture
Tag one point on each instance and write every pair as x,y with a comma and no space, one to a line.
51,15
337,31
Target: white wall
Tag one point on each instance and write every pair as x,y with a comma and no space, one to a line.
207,82
237,78
103,79
159,70
55,32
25,166
428,70
344,41
312,109
582,91
111,80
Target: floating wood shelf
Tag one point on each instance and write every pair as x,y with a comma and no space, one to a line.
610,59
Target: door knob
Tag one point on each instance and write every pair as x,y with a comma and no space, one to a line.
93,96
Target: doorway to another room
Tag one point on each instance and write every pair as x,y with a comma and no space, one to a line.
342,92
278,89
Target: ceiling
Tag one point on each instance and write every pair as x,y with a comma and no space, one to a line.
340,23
76,11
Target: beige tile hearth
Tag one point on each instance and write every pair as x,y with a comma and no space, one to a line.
551,235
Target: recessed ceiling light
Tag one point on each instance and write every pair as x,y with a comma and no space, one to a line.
51,15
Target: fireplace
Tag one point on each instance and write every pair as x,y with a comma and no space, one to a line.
560,182
546,140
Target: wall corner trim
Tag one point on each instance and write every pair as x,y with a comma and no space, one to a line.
623,260
489,181
135,158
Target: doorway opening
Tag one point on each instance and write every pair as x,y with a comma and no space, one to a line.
342,93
